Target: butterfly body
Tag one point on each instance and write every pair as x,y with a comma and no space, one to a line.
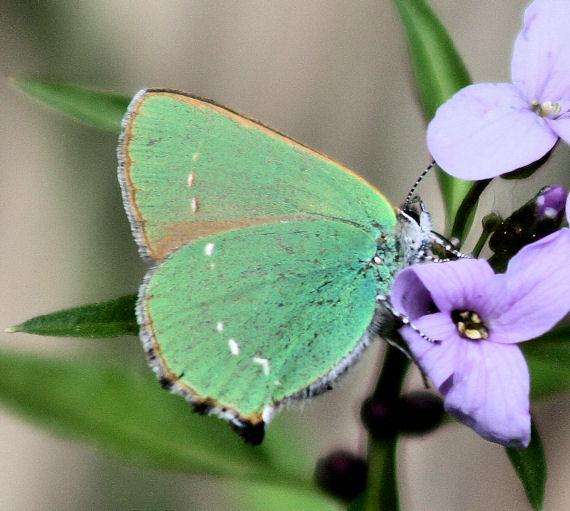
267,257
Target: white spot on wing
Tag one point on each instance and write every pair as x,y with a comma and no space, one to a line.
195,156
234,347
194,204
220,326
190,180
264,363
209,249
267,414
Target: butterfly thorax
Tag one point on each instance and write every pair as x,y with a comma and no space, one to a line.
408,244
413,237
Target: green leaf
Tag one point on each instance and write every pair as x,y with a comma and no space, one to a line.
103,319
439,72
98,109
261,497
129,415
530,466
438,68
548,358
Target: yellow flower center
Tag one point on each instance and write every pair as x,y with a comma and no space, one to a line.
546,108
470,325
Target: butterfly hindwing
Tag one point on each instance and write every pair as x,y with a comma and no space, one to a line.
245,320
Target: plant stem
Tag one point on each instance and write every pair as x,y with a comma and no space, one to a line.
382,487
480,243
392,374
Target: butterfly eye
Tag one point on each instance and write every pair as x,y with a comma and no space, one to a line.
414,214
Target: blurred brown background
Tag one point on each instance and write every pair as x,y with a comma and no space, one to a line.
333,74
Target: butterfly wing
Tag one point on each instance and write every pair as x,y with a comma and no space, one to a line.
189,168
243,321
268,256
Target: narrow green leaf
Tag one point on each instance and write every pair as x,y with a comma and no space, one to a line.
129,415
98,109
438,68
548,358
439,72
104,319
530,466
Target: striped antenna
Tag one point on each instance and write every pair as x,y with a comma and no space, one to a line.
418,181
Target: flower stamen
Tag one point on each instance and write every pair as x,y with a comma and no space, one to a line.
470,325
546,109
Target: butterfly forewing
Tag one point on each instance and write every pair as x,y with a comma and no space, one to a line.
190,168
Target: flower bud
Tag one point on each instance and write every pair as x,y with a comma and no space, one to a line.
491,222
419,412
414,413
380,417
550,202
341,474
539,217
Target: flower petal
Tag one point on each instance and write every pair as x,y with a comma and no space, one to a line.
490,392
568,208
408,295
437,360
465,282
485,130
560,126
536,288
540,67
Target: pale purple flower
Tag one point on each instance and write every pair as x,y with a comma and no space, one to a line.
489,129
478,317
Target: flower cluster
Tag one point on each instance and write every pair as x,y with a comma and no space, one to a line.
489,129
474,316
477,318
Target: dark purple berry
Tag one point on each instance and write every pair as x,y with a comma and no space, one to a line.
380,417
419,412
341,474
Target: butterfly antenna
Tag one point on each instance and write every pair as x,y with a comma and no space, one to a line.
418,181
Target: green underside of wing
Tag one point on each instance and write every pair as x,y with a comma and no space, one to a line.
198,170
299,295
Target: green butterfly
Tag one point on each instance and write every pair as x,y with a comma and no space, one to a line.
267,257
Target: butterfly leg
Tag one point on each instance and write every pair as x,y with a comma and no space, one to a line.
394,339
384,300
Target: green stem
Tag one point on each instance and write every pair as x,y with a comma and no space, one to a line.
466,211
392,374
382,487
480,243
